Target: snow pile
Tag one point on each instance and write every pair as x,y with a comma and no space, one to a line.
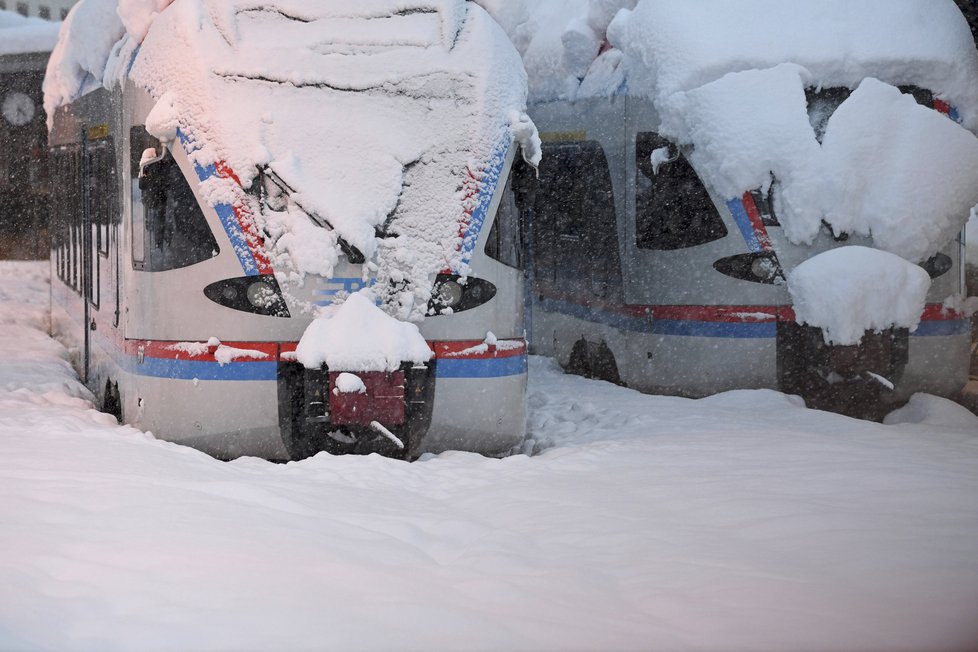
78,62
376,120
672,46
886,167
929,410
850,290
560,43
20,35
358,336
903,173
729,80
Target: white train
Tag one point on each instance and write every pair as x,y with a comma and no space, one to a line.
654,280
175,318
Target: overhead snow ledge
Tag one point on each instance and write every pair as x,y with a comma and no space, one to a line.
850,290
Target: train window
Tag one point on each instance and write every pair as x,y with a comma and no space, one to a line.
170,230
504,237
822,103
673,210
102,189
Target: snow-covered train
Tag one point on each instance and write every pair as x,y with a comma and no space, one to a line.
660,263
201,220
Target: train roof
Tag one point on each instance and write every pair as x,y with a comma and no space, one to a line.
21,35
671,46
363,110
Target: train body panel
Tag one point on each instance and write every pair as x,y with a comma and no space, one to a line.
674,289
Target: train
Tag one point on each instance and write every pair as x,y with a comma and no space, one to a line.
183,320
650,277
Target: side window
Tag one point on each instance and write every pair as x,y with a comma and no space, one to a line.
104,190
504,238
672,207
169,227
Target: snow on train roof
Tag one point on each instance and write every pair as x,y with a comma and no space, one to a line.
677,45
730,79
22,35
371,114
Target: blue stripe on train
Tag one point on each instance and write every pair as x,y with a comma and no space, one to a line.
739,212
481,368
943,327
736,330
225,212
268,370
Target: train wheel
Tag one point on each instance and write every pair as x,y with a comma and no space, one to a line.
593,360
111,401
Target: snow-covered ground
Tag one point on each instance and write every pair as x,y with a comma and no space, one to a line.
739,522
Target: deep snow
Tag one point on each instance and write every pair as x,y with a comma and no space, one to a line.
742,521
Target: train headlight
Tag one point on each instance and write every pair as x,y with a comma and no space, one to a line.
259,295
760,267
764,269
449,294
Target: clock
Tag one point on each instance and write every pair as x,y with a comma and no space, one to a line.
17,109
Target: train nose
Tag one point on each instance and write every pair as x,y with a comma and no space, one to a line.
854,380
354,412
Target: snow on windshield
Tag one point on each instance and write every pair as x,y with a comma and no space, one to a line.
371,119
20,35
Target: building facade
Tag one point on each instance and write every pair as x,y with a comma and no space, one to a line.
47,9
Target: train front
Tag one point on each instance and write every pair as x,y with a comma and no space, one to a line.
847,171
359,155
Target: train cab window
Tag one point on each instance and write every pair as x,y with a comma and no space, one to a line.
822,103
504,238
673,210
170,230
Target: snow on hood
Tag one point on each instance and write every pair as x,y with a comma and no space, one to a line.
20,35
849,290
373,119
677,45
358,336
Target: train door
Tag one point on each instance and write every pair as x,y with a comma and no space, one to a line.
98,190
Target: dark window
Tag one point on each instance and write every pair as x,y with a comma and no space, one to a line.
822,103
64,14
44,12
673,210
3,5
22,8
573,225
169,227
103,192
504,237
67,214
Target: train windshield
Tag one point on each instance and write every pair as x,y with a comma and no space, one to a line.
822,103
169,227
673,210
